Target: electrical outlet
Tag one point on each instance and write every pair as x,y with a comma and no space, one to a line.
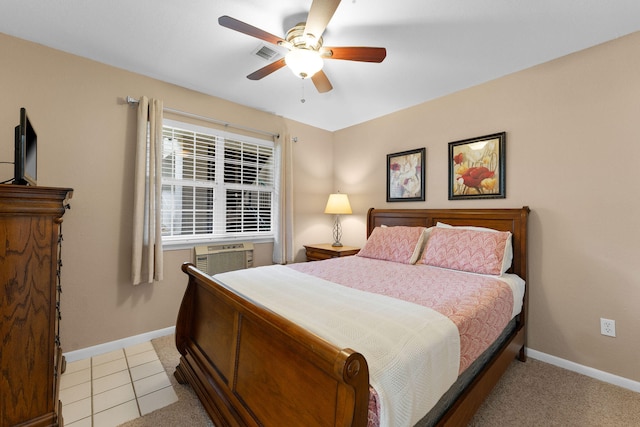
608,327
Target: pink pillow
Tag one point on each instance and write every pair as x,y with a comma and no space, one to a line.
399,244
466,250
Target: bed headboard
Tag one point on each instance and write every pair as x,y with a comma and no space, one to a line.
513,220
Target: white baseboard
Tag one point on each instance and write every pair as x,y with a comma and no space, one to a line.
585,370
534,354
85,353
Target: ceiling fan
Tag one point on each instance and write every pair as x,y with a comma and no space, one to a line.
304,41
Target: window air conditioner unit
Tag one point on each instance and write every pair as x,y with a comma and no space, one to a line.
214,259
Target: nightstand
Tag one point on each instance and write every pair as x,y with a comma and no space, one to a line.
322,251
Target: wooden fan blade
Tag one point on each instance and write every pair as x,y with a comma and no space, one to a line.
364,54
265,71
320,14
234,24
321,81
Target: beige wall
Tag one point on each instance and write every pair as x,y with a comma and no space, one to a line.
573,132
312,183
86,140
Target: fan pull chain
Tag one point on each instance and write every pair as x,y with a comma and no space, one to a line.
302,100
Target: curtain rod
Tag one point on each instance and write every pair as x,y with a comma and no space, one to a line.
131,100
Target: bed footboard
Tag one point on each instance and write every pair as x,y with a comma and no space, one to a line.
250,366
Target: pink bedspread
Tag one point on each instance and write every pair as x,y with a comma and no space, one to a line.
479,306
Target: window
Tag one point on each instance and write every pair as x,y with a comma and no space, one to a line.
215,186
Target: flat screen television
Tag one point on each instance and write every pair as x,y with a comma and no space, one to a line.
26,152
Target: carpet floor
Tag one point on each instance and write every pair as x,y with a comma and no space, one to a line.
532,394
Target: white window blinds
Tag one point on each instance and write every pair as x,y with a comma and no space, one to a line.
215,186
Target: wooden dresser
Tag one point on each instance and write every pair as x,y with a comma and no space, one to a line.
30,357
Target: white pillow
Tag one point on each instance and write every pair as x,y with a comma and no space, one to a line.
422,243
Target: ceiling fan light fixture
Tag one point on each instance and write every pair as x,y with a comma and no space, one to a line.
304,63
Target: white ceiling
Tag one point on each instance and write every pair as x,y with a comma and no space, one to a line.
434,47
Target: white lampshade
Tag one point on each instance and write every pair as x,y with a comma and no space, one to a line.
338,204
303,62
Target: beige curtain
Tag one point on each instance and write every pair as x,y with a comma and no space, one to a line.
283,229
147,220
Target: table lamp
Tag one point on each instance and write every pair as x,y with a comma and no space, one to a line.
338,204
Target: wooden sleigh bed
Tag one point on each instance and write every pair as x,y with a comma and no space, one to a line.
251,367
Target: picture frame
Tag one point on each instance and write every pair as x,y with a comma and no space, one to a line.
477,167
405,176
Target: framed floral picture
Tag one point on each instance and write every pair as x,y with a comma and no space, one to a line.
405,176
477,168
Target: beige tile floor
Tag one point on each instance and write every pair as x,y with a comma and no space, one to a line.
115,387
